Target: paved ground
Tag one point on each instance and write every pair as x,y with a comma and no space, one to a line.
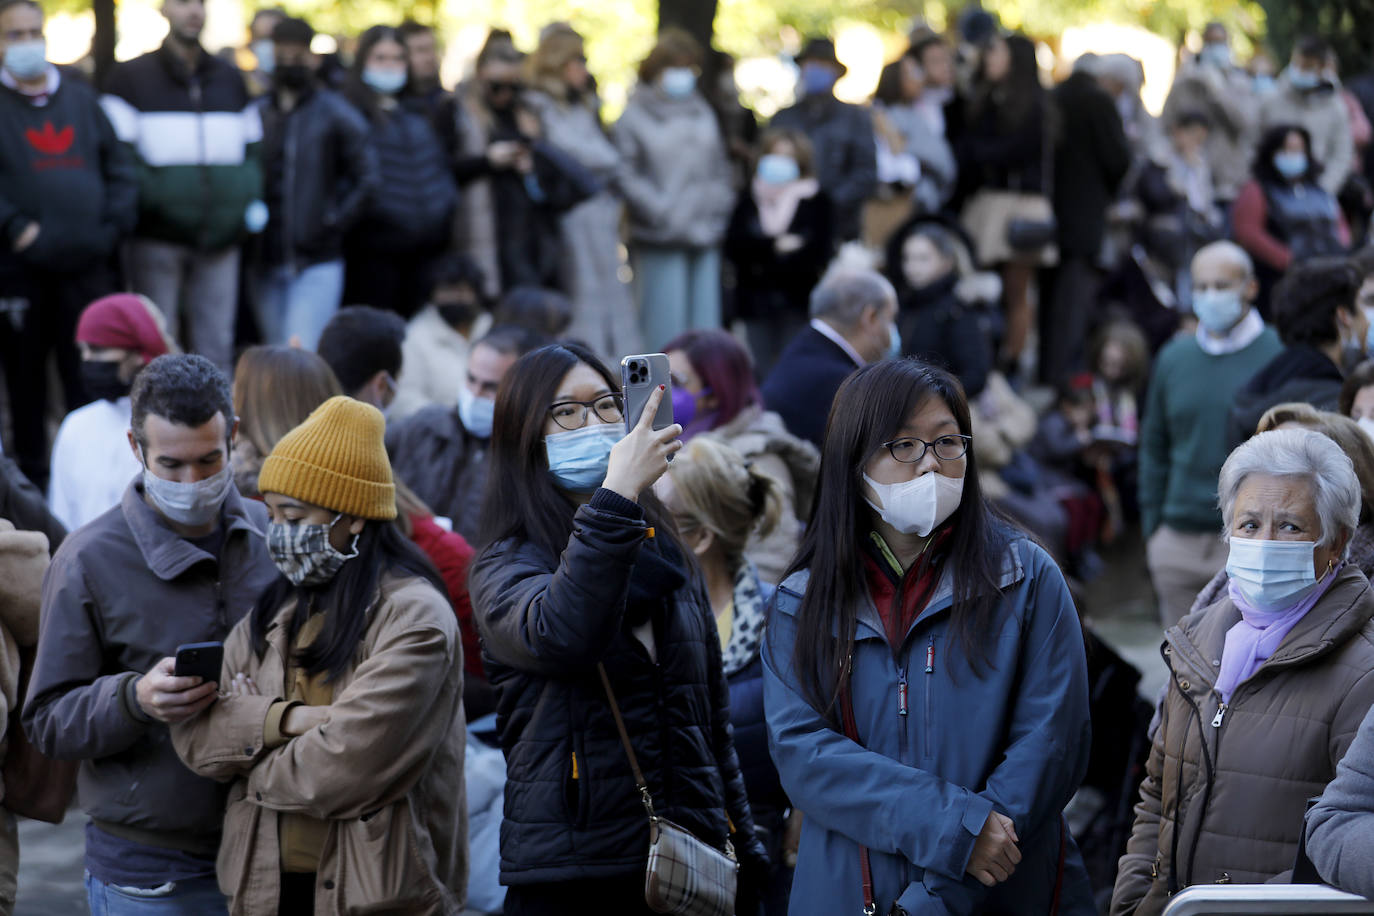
1119,605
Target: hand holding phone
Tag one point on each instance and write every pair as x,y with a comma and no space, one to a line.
200,659
642,456
640,377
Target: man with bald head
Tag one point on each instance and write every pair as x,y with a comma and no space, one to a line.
1183,441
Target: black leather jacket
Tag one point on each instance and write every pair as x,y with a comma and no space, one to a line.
320,169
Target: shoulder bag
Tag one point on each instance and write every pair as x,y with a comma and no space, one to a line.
684,875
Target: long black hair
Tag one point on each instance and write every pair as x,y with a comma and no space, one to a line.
522,502
869,409
1270,143
347,600
1020,94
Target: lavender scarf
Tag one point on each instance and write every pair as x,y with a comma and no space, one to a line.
1259,634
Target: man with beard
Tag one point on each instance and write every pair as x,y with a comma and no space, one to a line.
318,168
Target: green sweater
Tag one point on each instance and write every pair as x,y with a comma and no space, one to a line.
1183,436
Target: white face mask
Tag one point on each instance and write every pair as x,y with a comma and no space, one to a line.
477,413
1272,575
917,506
194,505
1367,424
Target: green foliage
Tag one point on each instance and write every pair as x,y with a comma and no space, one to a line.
1348,25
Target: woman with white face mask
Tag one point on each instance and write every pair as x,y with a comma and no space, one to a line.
583,590
1267,687
924,675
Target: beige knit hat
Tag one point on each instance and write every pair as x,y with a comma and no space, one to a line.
336,459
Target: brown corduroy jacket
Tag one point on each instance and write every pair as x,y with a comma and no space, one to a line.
1238,805
386,769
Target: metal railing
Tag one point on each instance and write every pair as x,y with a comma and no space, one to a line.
1266,900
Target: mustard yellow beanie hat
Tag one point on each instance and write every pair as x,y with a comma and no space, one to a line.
336,459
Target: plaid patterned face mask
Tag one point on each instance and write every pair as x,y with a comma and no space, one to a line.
304,554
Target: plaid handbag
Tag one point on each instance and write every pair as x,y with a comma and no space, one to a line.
684,875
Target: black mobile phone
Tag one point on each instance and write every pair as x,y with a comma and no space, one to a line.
639,376
200,659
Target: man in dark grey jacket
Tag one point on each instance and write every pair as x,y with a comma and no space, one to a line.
181,560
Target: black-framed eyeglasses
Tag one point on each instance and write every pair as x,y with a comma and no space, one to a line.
610,408
910,450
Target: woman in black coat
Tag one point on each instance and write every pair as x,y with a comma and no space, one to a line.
408,219
583,574
779,242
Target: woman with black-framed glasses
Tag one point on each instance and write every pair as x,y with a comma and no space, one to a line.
582,569
924,675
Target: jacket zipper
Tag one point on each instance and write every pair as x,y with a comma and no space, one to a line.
930,689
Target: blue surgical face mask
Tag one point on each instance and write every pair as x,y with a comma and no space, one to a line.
1291,165
476,413
1303,79
266,53
1369,335
1218,310
1272,575
387,81
1263,83
894,345
1218,54
777,169
817,79
678,82
27,60
578,458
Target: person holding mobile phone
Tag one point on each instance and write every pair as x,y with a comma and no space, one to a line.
178,561
342,734
582,568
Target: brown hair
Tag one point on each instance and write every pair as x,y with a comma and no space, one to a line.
1132,340
800,142
557,48
275,389
1342,430
1361,377
675,48
717,488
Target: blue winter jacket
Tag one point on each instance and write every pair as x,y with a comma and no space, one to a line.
919,787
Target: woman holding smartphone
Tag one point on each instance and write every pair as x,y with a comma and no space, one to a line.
342,731
924,675
582,572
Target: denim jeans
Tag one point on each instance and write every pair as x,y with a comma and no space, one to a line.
300,303
194,897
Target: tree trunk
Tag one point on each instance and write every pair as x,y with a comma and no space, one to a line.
103,43
696,17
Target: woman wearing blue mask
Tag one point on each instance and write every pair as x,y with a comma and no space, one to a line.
924,675
407,221
1267,687
780,239
1283,215
583,578
679,186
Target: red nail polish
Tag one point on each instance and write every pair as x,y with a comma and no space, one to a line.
662,387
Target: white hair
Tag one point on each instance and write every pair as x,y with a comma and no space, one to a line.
1297,453
844,293
1237,256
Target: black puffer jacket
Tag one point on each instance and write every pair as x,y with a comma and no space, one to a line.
571,809
412,206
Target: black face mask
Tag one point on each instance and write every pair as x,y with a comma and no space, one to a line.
292,77
101,380
458,313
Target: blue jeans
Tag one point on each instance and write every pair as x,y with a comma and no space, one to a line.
677,289
299,303
194,897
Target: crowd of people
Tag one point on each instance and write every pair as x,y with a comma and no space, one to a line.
339,359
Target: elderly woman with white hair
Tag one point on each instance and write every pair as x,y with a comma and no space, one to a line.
1268,686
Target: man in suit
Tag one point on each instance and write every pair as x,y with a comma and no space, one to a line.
853,322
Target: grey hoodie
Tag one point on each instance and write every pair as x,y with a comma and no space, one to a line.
122,593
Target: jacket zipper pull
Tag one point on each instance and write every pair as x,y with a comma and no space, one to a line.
930,656
901,693
1221,713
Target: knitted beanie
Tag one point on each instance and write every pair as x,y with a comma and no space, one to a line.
337,460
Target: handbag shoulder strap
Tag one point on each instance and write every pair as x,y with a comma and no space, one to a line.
640,783
851,731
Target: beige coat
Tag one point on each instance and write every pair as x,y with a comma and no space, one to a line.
1325,117
386,769
23,560
1276,746
1227,97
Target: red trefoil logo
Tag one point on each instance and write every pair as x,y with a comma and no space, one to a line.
49,141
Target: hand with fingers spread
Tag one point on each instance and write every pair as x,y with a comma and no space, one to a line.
995,855
241,685
642,456
170,699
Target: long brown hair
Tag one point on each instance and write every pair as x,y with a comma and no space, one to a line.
276,388
869,409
